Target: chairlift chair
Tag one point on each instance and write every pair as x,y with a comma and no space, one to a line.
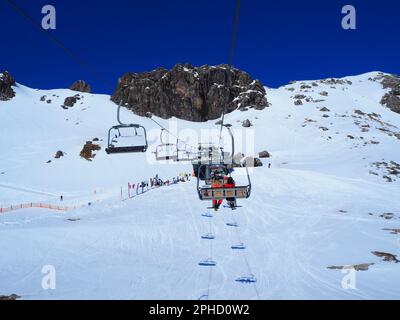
165,151
118,143
205,172
207,192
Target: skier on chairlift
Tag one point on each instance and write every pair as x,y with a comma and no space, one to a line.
217,182
230,183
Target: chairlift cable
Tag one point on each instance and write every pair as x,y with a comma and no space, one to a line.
171,134
245,258
231,58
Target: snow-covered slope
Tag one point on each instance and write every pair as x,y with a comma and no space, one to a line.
319,205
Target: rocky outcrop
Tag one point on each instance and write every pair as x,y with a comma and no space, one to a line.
246,123
264,154
69,102
386,256
190,93
392,98
88,150
252,162
81,86
6,83
10,297
59,154
357,267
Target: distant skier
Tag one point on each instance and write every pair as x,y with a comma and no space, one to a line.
61,198
269,165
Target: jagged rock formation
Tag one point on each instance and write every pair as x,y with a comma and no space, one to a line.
246,123
88,149
81,86
264,154
392,98
190,93
6,83
69,102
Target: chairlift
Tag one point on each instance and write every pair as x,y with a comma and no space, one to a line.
165,151
207,153
123,138
207,192
182,154
207,263
216,171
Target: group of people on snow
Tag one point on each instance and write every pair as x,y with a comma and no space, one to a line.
157,182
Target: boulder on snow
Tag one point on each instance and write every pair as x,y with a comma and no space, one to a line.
190,93
264,154
81,86
6,83
357,267
59,154
298,102
87,150
324,109
246,123
10,297
70,101
252,162
324,93
386,256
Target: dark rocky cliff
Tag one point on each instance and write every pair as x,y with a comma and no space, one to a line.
6,83
190,93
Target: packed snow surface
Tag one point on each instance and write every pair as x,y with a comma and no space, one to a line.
328,200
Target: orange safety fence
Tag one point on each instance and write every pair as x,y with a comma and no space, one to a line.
37,205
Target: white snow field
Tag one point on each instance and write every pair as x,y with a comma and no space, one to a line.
322,203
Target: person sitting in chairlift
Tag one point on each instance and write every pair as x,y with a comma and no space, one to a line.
217,182
230,183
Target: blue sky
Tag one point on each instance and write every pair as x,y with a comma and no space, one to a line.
277,41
